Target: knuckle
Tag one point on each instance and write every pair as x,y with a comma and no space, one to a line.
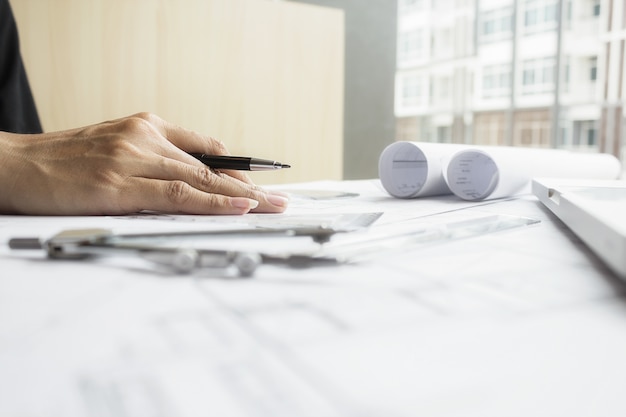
145,124
212,200
256,189
148,117
219,147
206,178
118,148
253,191
128,129
178,192
137,124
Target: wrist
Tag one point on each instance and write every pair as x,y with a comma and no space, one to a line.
13,158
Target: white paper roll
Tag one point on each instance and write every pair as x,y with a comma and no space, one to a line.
495,172
415,169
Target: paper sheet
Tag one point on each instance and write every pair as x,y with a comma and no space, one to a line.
517,322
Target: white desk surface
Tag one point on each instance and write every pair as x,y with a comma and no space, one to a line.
518,322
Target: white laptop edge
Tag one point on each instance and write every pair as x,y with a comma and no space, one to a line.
605,235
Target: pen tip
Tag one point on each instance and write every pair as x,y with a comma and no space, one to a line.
285,166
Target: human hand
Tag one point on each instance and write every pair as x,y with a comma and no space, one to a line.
123,166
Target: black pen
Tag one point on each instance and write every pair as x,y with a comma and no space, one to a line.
240,163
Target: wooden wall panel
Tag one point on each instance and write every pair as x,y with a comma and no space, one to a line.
265,77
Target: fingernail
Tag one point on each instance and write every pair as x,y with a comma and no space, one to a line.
277,200
244,203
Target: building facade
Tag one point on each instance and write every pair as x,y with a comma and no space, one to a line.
544,73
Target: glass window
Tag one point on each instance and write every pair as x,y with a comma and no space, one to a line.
567,75
596,8
591,137
496,24
538,76
530,17
410,46
411,91
496,81
593,68
549,13
539,15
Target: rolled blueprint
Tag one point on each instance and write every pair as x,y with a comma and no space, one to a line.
415,169
494,172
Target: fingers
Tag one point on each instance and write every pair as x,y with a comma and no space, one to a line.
206,181
269,202
179,197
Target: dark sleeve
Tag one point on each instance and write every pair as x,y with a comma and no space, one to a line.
18,113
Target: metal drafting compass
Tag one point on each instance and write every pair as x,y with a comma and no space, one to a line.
89,243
